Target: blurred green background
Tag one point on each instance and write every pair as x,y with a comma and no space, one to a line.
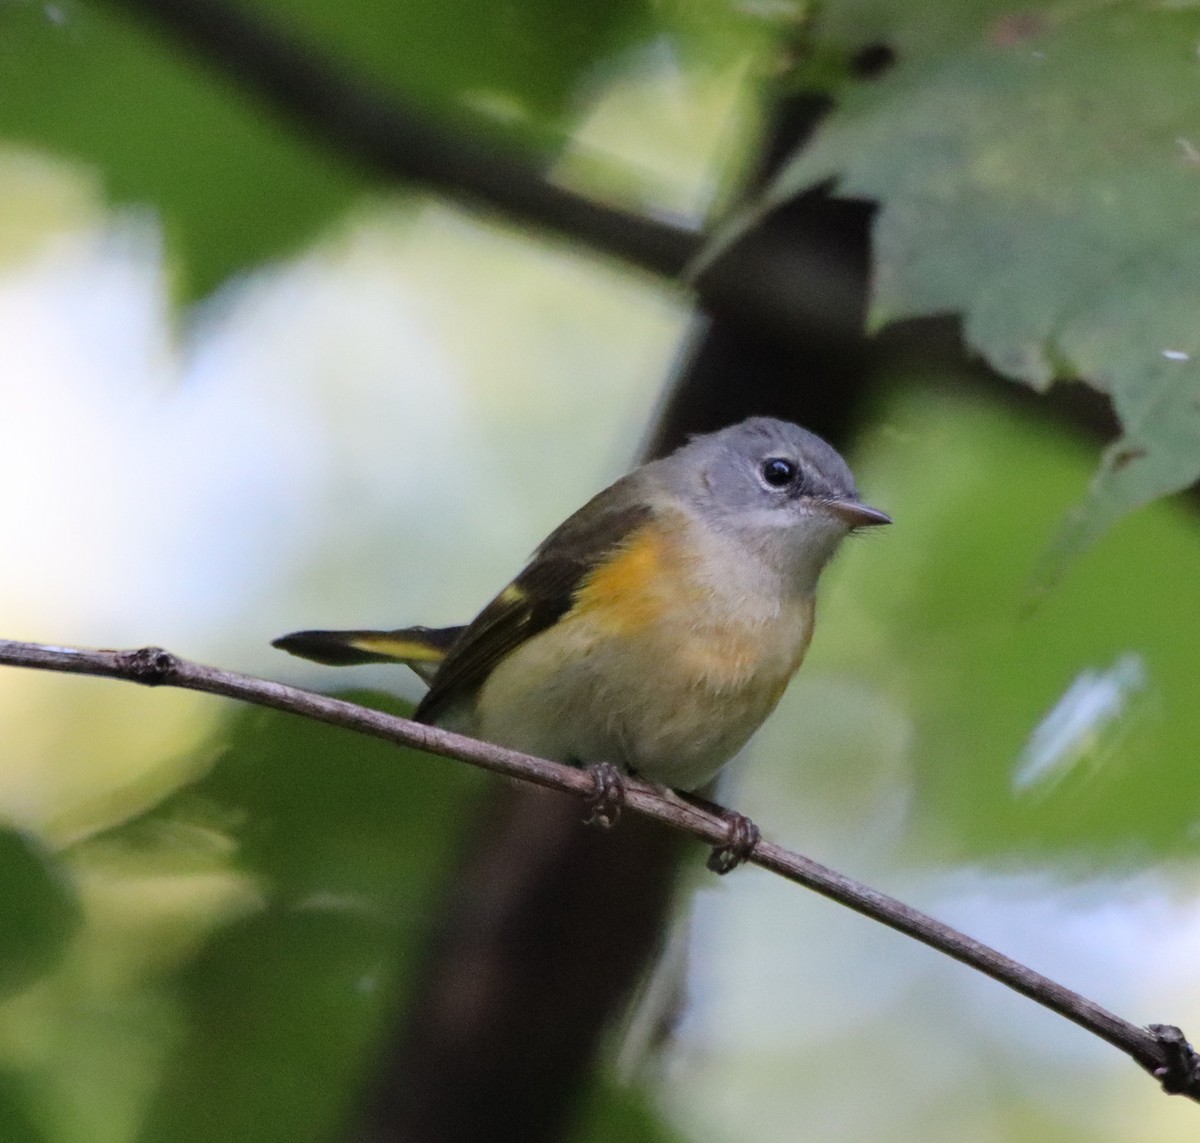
246,389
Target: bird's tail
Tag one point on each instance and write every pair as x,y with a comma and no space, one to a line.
421,648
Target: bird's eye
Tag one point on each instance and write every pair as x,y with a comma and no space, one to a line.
778,472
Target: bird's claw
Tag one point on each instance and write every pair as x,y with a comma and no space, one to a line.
744,835
607,797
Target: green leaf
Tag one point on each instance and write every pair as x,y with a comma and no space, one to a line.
349,838
520,62
334,813
233,188
280,1006
1038,173
235,185
1056,739
15,1125
38,908
615,1112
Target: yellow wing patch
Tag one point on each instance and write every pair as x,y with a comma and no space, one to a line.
417,646
512,595
403,649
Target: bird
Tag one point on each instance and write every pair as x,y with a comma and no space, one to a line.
655,629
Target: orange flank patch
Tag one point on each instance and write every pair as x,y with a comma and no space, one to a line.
632,589
645,594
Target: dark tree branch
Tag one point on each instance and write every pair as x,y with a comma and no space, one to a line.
1160,1049
557,922
376,132
786,286
542,932
790,286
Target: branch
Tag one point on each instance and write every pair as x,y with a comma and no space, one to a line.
797,286
1162,1050
377,132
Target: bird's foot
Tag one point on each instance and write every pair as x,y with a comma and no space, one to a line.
744,835
607,797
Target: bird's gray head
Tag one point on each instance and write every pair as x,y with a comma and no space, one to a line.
782,492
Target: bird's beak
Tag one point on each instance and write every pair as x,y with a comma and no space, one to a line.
855,514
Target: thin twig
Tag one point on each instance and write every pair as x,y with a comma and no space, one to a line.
1160,1049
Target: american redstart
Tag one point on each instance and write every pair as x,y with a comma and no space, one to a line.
654,629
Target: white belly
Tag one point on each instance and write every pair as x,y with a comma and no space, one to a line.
672,705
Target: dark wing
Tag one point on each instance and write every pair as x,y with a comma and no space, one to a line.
538,596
